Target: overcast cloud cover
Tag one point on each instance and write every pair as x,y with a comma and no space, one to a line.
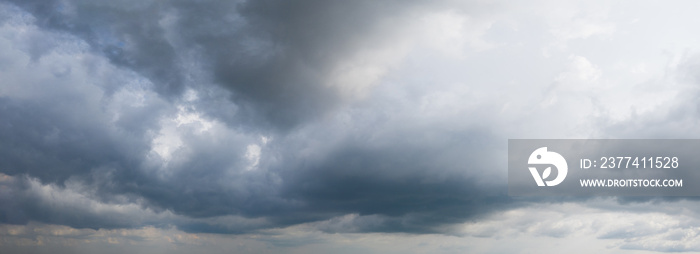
317,126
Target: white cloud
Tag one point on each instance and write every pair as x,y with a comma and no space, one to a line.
253,155
600,223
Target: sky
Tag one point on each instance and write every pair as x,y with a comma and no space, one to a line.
136,126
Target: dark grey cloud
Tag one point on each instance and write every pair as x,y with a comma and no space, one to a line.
399,180
48,144
256,75
290,123
275,57
222,117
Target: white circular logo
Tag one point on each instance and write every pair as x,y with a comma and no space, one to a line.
543,157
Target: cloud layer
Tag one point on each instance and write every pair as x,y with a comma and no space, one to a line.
242,117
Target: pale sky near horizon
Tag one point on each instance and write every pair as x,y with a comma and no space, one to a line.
331,126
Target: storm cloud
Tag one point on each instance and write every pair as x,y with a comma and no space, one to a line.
264,117
280,149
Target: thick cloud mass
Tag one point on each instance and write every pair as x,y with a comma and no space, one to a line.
276,57
224,109
344,116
